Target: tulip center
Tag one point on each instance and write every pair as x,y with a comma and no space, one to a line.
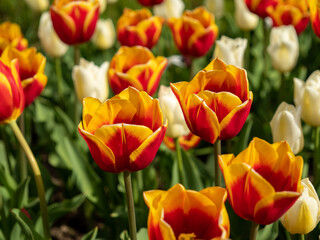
187,236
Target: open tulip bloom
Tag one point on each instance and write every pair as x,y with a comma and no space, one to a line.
11,35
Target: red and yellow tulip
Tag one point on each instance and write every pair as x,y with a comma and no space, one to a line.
195,32
139,27
149,3
314,7
290,12
74,20
11,92
31,65
11,35
263,181
259,7
216,102
136,67
178,213
186,142
123,133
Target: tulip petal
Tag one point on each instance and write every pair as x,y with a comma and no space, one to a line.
90,106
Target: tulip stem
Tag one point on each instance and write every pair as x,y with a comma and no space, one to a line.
22,157
37,175
301,237
217,171
76,55
180,163
76,58
130,205
57,62
316,154
254,231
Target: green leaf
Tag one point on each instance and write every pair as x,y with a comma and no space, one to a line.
193,176
269,232
20,196
6,178
142,234
124,235
92,235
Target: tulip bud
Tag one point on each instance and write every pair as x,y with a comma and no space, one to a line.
284,48
90,80
169,8
286,126
38,5
171,111
304,215
230,50
216,7
105,34
49,40
245,19
307,96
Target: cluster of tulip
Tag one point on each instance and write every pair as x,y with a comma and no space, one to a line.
263,183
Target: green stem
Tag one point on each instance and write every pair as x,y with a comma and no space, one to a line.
76,55
246,64
57,62
316,154
37,175
23,169
217,171
180,163
301,237
288,235
76,58
191,67
130,205
254,231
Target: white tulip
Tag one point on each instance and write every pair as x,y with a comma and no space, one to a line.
50,42
231,50
245,19
216,7
169,8
283,48
307,96
38,5
90,80
286,126
171,111
104,35
103,5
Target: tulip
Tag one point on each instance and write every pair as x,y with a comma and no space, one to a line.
105,35
73,20
186,142
304,215
103,5
263,181
307,96
11,92
90,80
149,3
137,67
216,7
49,40
195,32
245,19
259,7
283,48
169,8
315,16
231,50
179,213
139,27
216,102
11,35
123,133
286,126
38,5
31,65
290,12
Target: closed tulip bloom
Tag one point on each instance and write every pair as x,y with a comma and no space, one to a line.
195,32
74,20
11,35
50,42
307,96
216,102
123,133
91,80
231,51
149,3
31,65
290,12
315,16
169,8
38,5
105,35
187,214
139,27
216,7
259,7
263,181
245,19
136,67
187,142
286,126
283,48
304,215
11,92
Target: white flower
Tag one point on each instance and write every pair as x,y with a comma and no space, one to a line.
231,50
216,7
283,48
286,126
90,80
38,5
49,40
169,8
307,96
103,5
104,35
171,111
245,19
